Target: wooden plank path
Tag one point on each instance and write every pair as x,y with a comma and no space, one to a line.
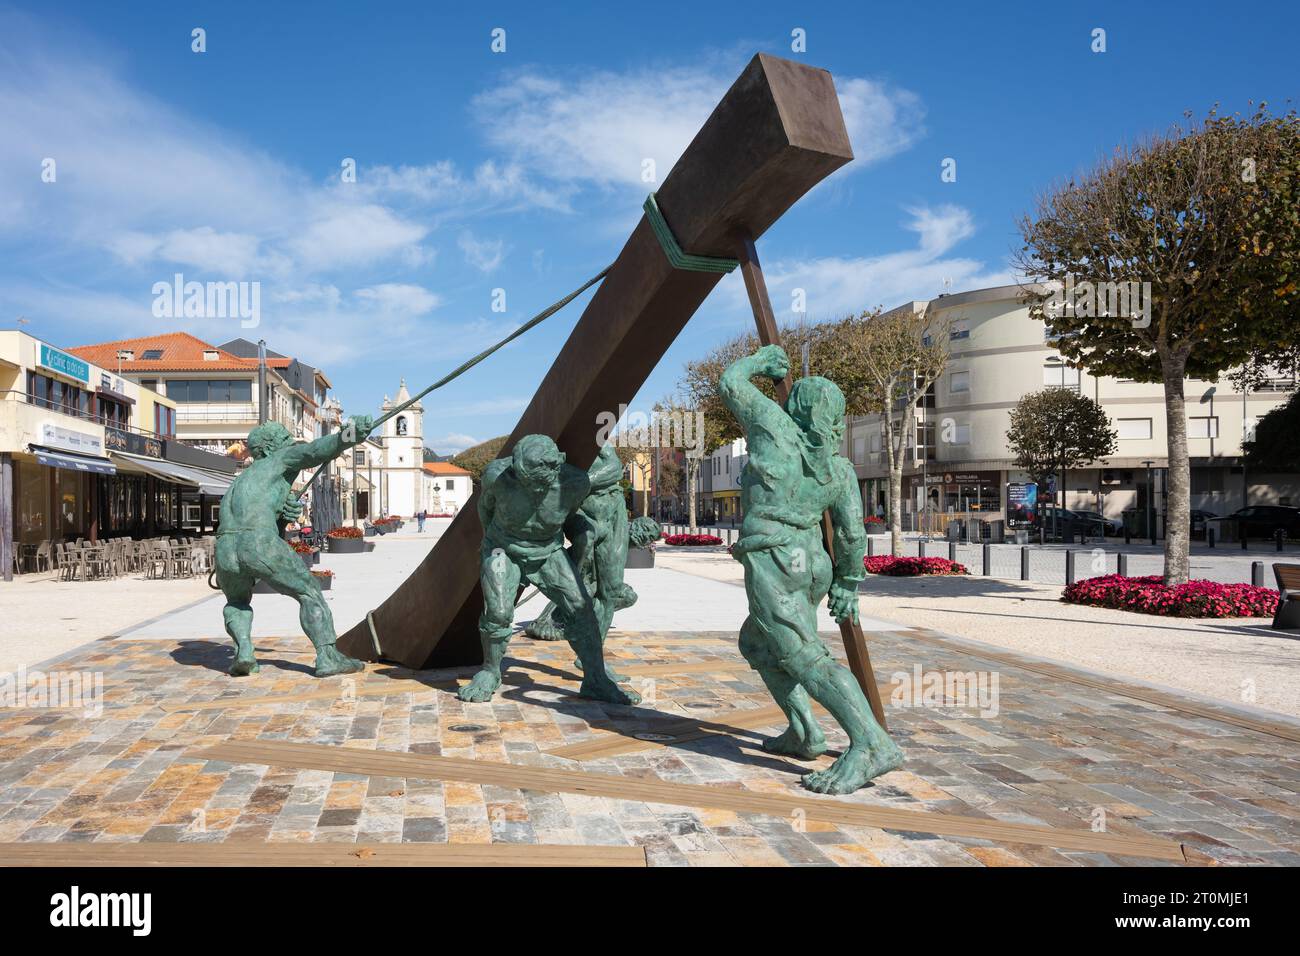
827,810
316,854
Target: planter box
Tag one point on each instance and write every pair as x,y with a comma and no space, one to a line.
347,545
639,558
325,583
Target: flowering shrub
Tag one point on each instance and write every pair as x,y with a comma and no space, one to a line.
874,525
911,567
345,533
391,519
1150,595
447,514
322,573
302,547
692,540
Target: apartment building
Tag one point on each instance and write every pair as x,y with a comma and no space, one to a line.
961,463
87,452
719,482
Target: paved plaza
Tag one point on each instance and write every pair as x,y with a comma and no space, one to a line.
1086,768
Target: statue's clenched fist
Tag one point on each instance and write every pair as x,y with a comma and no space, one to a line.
773,362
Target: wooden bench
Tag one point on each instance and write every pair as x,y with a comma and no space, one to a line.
1288,605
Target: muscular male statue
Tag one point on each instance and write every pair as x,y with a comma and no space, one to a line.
605,561
794,474
528,503
249,545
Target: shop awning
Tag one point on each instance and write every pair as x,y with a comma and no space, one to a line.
207,482
88,464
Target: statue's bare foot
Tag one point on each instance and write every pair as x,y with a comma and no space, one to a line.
243,666
853,769
792,743
613,674
329,662
481,688
607,691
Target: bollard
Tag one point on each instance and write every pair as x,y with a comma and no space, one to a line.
988,559
1121,564
1069,566
871,546
1024,564
1257,573
1209,537
920,548
1128,534
952,551
1280,535
1241,533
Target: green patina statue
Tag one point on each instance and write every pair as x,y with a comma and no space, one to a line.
605,560
250,546
528,504
795,474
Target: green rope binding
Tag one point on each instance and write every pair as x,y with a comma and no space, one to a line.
677,258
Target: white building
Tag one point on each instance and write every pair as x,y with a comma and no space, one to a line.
718,484
997,355
447,487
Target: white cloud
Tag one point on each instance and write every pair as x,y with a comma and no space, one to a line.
452,443
836,286
599,127
483,254
395,298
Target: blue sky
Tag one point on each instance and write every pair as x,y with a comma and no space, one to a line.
521,170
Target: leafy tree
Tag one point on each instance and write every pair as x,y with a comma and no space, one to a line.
1058,429
475,459
1209,216
902,353
1276,447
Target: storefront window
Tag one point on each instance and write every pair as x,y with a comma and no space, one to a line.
72,503
33,498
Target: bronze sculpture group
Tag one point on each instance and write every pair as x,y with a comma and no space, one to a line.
531,502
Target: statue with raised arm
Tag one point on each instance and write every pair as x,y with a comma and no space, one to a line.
528,504
794,474
250,546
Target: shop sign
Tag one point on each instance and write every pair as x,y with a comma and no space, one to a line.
118,440
63,363
52,436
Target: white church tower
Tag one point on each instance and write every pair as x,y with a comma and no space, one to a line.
403,457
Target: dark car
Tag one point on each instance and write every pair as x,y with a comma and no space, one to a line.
1264,521
1199,519
1089,523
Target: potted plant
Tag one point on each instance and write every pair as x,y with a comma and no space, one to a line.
324,577
346,541
309,555
642,534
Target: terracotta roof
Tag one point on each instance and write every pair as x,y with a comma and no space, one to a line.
444,468
181,352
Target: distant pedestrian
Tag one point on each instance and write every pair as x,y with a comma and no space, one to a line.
419,521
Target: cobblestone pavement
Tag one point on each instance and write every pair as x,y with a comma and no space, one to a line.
1054,753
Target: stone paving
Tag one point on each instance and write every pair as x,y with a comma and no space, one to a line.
1055,753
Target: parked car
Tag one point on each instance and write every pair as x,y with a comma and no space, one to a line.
1264,521
1091,523
1108,525
1200,518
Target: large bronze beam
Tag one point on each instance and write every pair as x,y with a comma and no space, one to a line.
776,133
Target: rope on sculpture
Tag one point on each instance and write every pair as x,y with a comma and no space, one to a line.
678,258
540,317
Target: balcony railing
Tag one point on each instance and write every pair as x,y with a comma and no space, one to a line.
73,411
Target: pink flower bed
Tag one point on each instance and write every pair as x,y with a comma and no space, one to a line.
692,540
911,567
1150,595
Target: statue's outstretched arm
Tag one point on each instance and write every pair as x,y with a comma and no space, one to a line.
326,448
741,395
